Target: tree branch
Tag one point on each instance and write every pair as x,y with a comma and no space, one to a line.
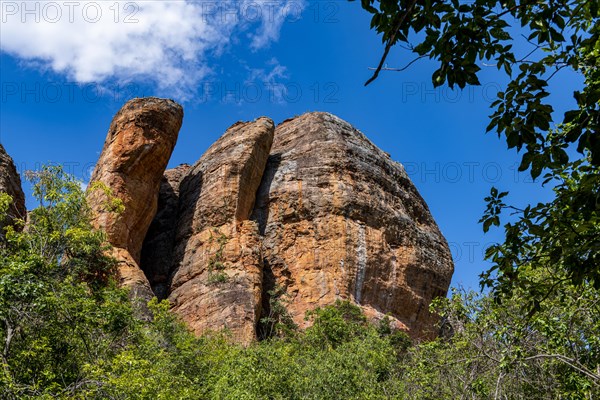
391,41
399,69
569,362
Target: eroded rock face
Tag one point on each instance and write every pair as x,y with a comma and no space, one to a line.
138,146
10,183
311,207
217,278
341,220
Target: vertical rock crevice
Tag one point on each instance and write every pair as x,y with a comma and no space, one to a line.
157,250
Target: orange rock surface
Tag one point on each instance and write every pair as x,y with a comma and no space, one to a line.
311,207
138,146
341,220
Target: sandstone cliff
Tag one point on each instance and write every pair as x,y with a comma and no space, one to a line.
341,220
138,146
10,183
310,207
217,271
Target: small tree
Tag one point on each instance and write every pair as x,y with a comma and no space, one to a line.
59,304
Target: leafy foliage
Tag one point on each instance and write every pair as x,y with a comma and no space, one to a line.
558,35
278,322
59,306
501,351
69,332
562,235
215,262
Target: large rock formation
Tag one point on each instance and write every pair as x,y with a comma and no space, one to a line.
10,183
138,146
341,220
312,208
217,278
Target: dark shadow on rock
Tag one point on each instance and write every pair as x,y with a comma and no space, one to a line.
157,250
189,195
262,328
260,214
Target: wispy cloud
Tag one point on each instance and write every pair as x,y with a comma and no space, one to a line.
273,78
272,19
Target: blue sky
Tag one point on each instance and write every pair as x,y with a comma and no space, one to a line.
66,71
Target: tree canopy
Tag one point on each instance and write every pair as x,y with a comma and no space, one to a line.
530,41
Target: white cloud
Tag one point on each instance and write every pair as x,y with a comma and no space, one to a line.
274,15
168,43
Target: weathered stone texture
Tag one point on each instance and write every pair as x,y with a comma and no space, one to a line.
138,146
312,207
341,220
10,183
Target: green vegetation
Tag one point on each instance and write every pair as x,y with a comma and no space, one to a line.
536,334
277,322
67,331
530,42
216,273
